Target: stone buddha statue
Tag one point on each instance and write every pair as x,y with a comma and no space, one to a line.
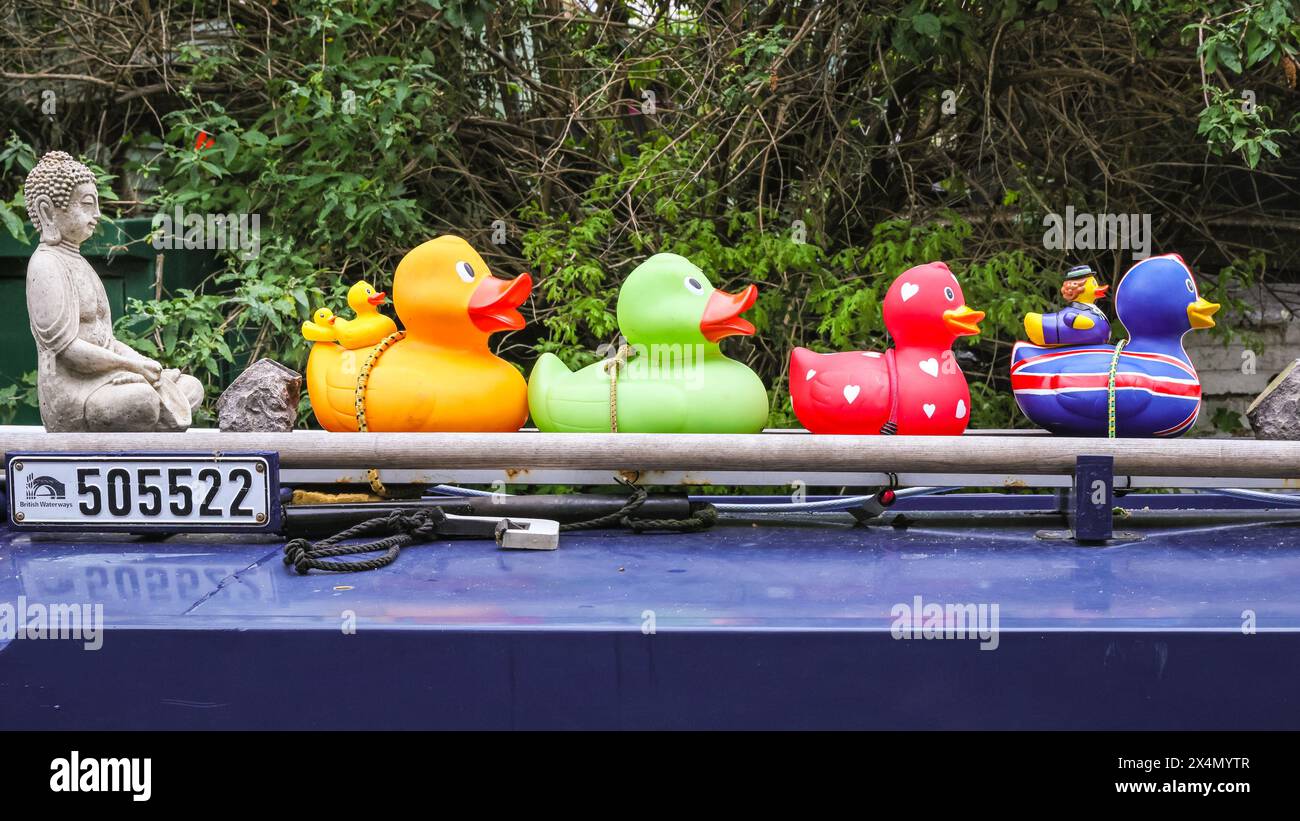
86,379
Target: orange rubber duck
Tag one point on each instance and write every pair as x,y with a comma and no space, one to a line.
440,376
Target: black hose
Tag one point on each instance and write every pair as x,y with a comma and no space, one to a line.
315,520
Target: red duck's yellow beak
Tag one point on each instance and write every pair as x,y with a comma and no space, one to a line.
963,321
377,299
493,303
722,314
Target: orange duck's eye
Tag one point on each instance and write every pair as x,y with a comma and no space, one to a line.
465,271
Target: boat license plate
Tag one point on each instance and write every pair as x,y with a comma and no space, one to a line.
133,492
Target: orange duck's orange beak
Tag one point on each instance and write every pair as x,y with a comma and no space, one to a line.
493,303
722,314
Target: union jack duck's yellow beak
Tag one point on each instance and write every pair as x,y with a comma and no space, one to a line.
1201,313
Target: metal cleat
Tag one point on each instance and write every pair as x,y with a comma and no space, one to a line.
509,533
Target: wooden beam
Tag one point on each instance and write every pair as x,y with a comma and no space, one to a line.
761,451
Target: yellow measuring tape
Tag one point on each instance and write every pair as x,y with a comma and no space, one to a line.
363,379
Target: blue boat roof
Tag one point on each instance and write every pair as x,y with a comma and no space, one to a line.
790,615
1191,569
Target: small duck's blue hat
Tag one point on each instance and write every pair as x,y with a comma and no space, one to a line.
1079,272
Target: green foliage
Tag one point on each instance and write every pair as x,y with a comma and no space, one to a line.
1230,123
1228,421
16,396
354,131
333,197
16,158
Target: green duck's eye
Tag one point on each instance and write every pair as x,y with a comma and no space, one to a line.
693,285
465,271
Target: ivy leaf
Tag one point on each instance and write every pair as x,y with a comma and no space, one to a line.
1228,56
927,25
12,222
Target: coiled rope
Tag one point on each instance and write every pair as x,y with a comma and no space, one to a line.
404,529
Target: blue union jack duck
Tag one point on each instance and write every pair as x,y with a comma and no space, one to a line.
1157,391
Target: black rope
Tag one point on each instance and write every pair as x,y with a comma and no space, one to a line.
700,519
405,528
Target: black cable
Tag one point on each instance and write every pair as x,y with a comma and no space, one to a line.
407,527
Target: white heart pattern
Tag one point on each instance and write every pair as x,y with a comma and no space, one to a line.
851,392
961,408
930,366
811,374
928,408
909,290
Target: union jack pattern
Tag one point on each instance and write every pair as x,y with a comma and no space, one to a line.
1049,384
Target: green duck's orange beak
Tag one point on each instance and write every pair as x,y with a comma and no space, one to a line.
722,314
493,303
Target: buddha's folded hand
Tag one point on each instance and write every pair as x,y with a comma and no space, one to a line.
149,369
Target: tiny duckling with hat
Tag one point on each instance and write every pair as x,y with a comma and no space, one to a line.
1081,322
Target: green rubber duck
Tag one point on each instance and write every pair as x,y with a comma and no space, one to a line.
671,375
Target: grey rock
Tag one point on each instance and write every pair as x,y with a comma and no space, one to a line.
264,398
1275,413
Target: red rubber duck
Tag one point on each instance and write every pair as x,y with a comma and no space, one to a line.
914,387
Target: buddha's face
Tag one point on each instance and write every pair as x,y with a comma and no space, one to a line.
76,223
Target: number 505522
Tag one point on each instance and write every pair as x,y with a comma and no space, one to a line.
148,490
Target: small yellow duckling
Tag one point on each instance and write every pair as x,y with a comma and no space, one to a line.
321,326
369,327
